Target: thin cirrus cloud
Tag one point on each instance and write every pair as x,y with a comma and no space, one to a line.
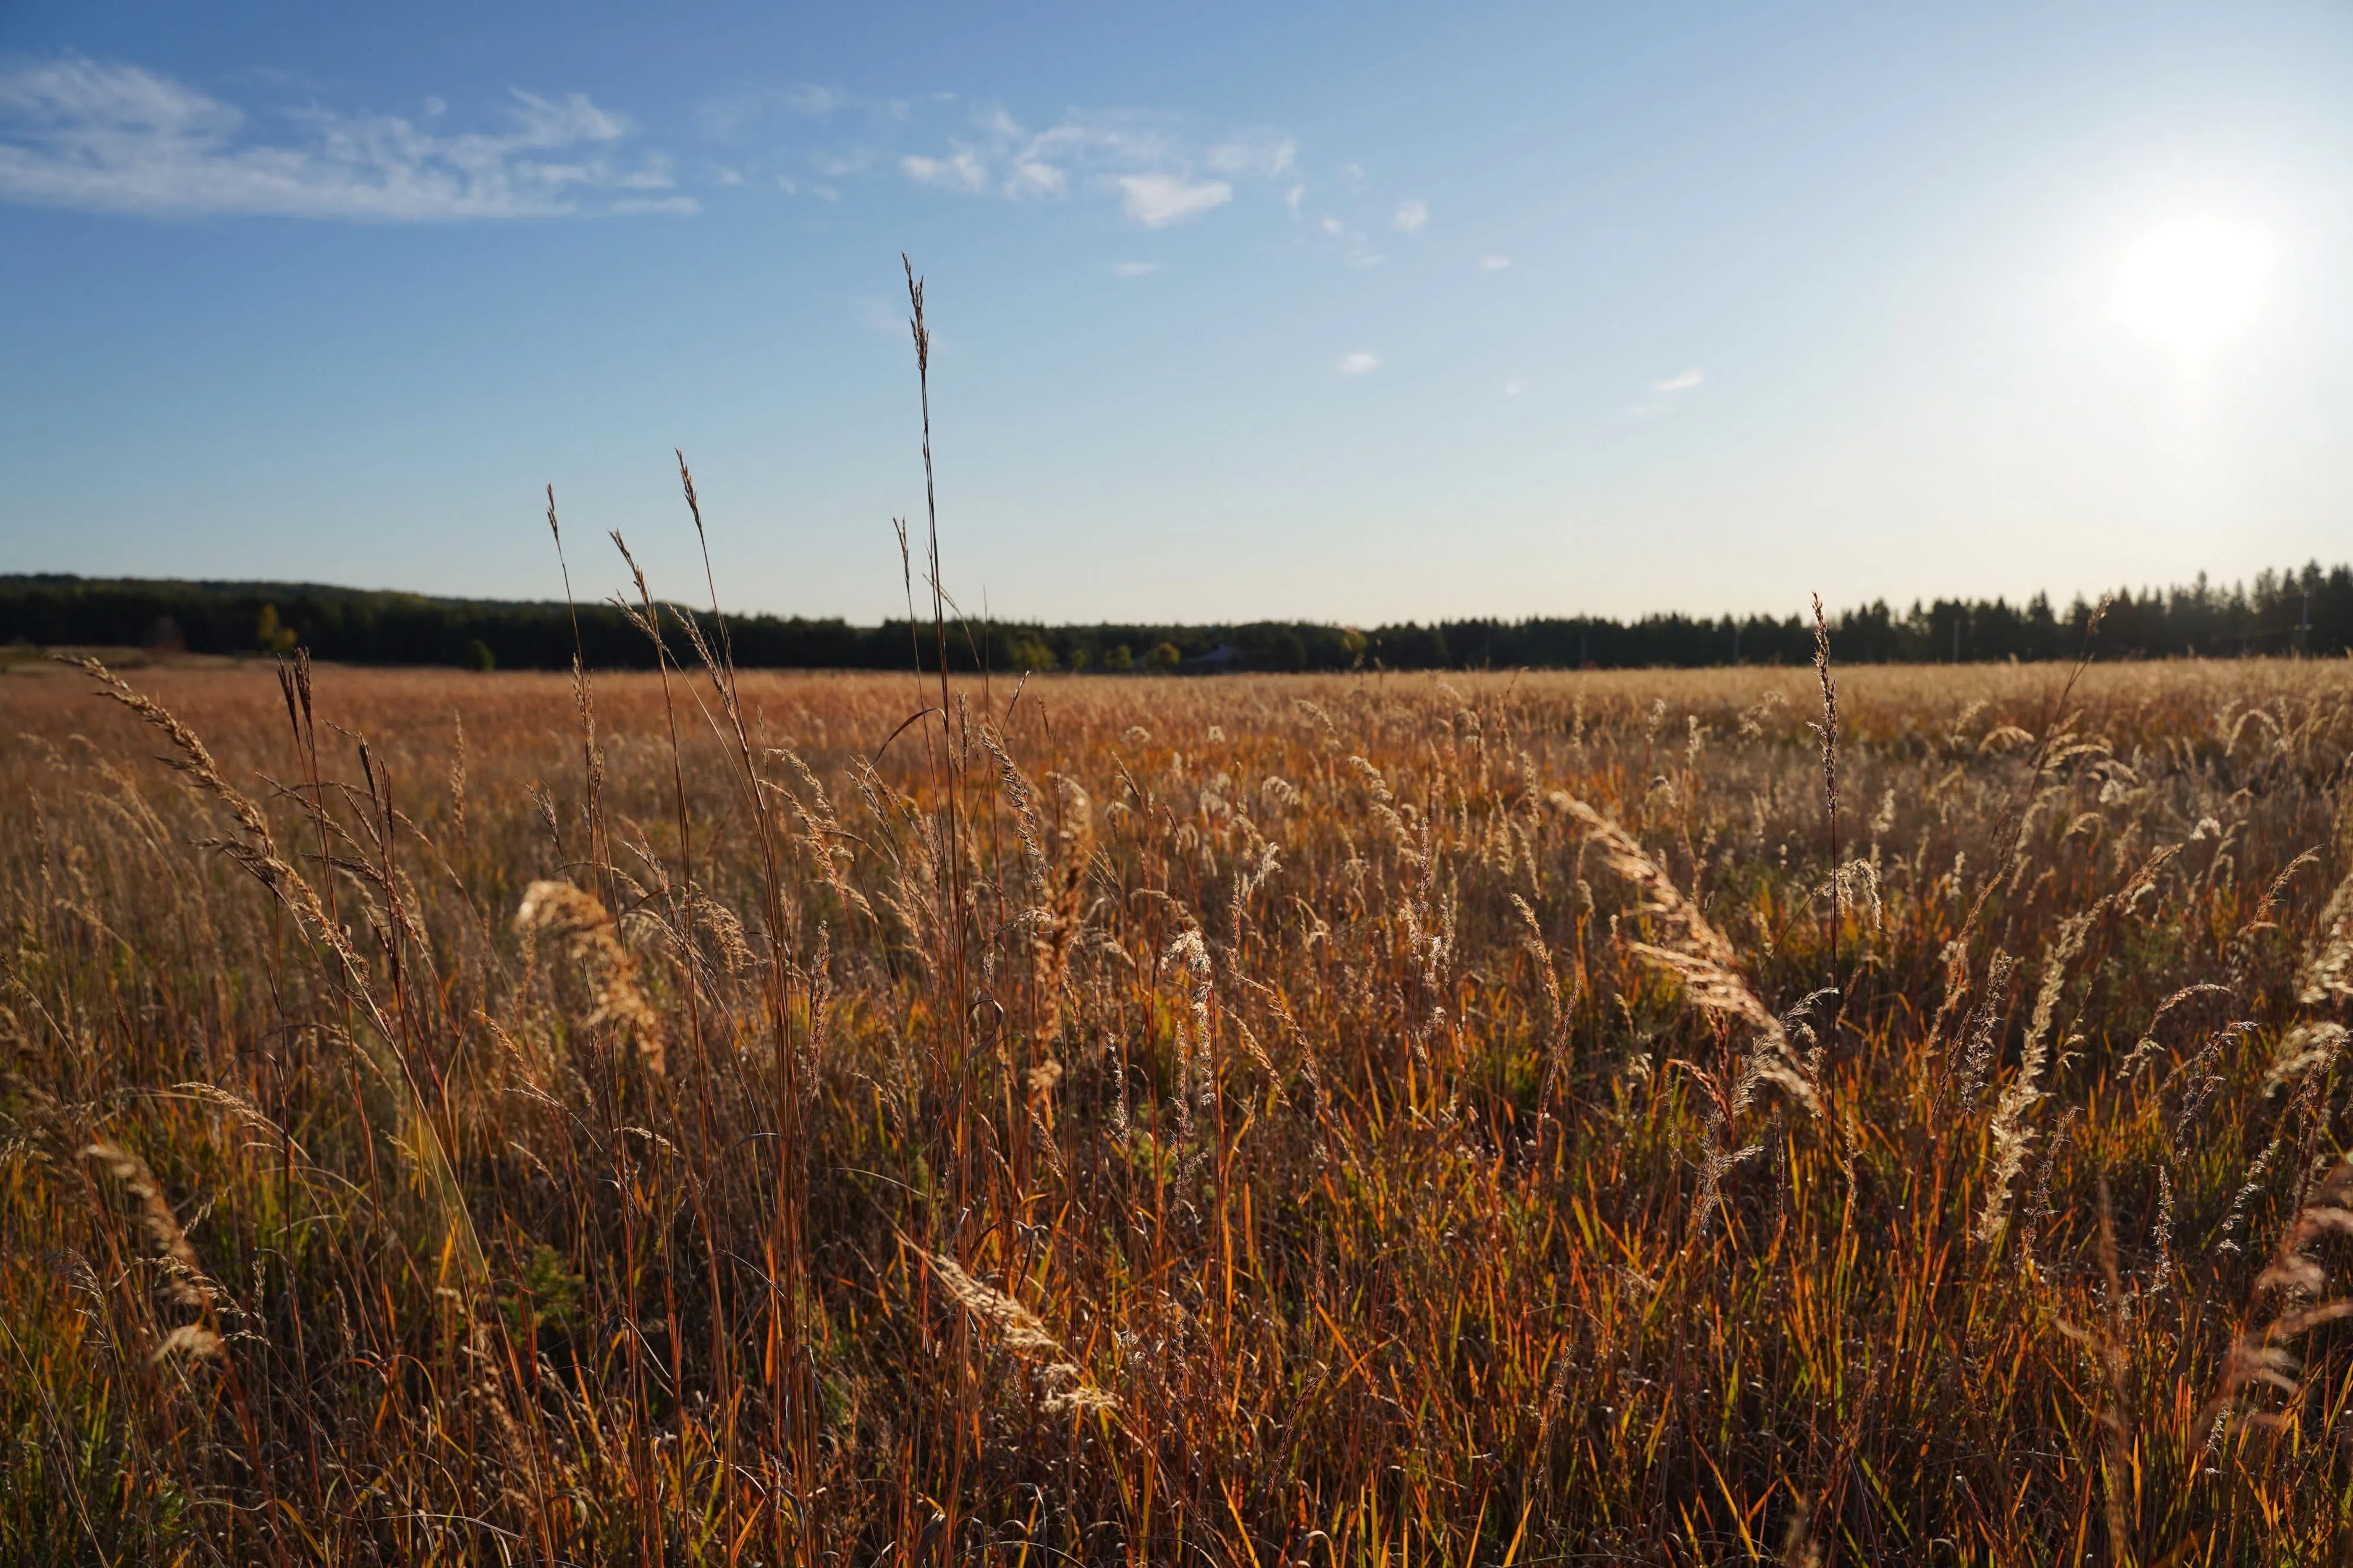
1353,248
1156,201
1411,215
960,171
1135,268
1034,179
111,137
1140,161
1144,162
1665,394
105,137
1493,263
1358,363
1260,155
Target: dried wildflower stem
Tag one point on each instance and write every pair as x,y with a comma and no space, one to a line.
952,859
791,1192
1702,958
956,1014
583,696
1021,1331
682,897
1829,730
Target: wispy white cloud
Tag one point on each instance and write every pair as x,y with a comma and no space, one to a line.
961,170
105,137
1100,142
1493,263
1135,268
1158,172
1411,215
1142,161
1033,178
1352,248
1358,363
1514,387
1665,395
1264,156
1156,201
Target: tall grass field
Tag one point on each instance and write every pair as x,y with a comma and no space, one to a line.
1872,1115
705,1117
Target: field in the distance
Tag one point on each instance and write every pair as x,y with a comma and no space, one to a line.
1246,1121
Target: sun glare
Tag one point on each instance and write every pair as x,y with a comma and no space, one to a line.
2196,284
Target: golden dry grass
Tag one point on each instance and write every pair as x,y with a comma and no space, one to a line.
1253,1121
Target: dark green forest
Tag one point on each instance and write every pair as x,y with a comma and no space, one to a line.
2307,611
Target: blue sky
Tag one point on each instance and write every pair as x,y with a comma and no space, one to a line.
1358,313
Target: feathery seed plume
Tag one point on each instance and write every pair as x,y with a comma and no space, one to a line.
587,931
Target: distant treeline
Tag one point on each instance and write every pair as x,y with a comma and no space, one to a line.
2308,611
